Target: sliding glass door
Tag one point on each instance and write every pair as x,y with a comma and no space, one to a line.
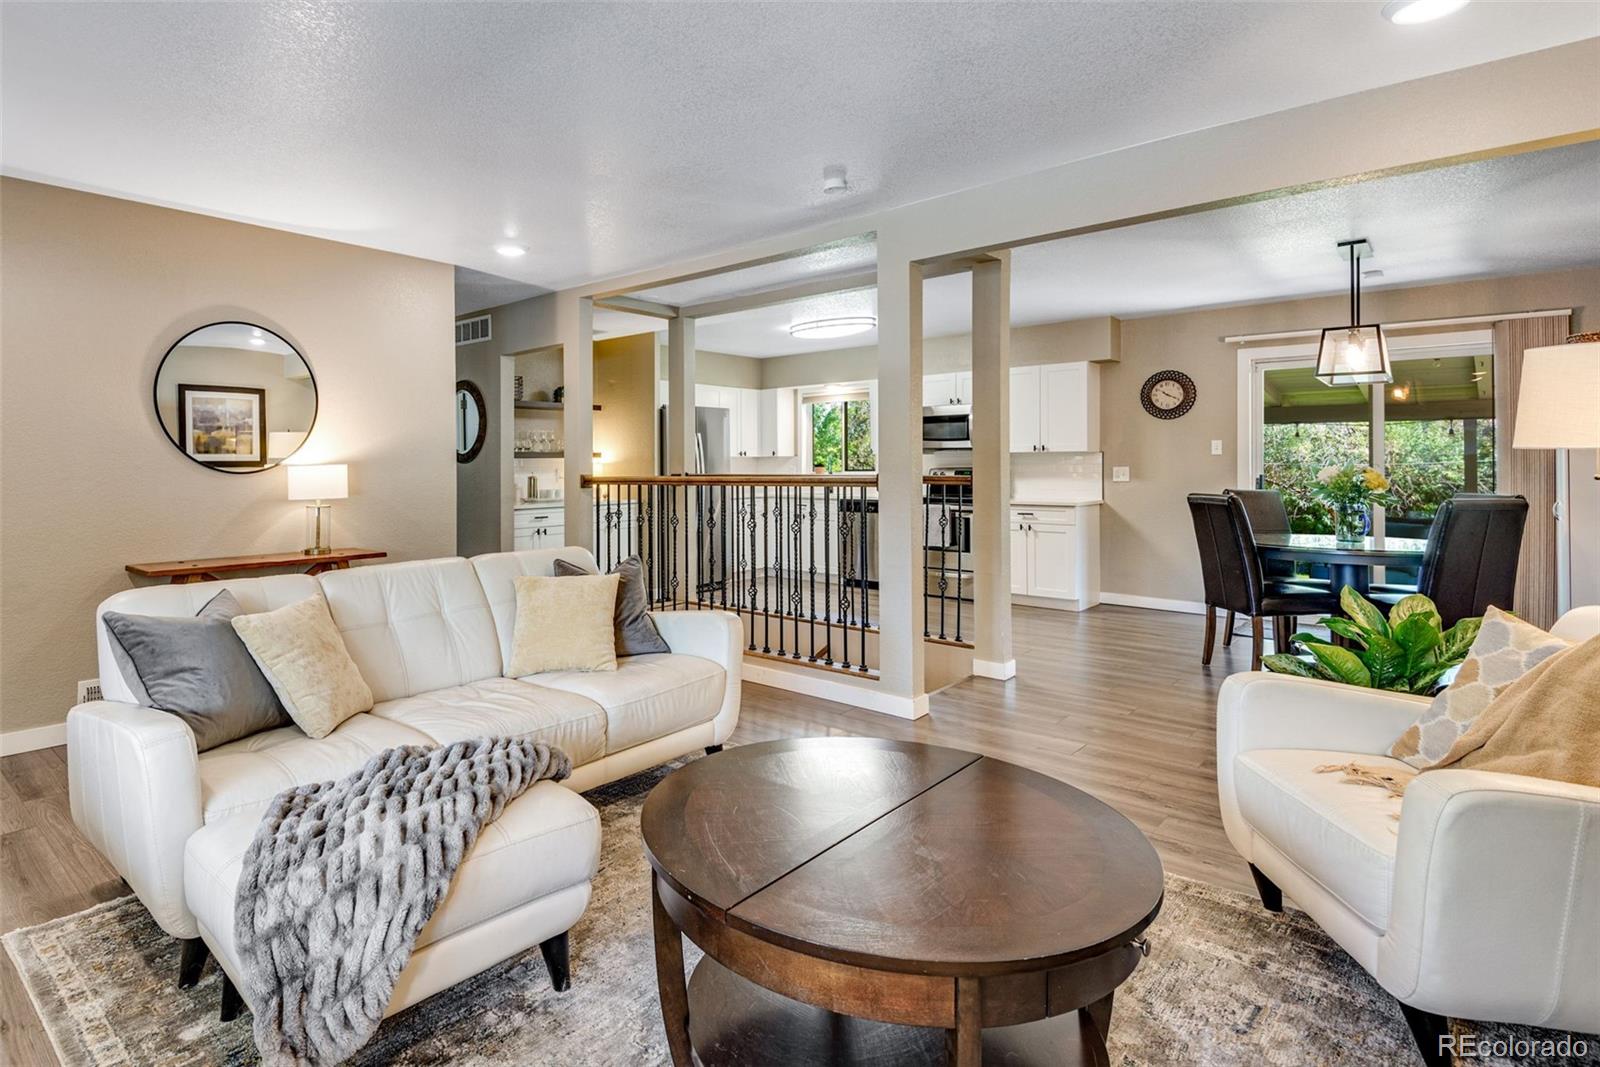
1432,430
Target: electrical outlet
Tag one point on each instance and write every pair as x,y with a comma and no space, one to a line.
1119,474
89,690
1216,448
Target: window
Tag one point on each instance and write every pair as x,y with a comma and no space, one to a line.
841,435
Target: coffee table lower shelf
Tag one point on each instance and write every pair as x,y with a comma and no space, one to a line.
736,1023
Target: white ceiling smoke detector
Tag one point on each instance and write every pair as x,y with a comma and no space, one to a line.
834,180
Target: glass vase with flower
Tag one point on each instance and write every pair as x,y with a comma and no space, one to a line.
1350,492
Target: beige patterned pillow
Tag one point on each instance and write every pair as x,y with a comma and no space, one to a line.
564,624
300,651
1505,649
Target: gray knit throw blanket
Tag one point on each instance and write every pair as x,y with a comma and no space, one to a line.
342,876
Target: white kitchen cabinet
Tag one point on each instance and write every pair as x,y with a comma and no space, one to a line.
940,390
1025,434
777,422
747,422
543,527
1019,557
1055,407
1055,556
1053,560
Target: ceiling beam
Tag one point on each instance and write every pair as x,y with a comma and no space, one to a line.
783,294
635,306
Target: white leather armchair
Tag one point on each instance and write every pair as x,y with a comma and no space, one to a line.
1481,902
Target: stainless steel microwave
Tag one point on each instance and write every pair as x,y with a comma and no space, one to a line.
946,427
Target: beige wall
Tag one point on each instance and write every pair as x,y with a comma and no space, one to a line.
92,291
624,387
1146,537
483,504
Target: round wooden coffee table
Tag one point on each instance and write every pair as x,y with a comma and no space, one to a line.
869,901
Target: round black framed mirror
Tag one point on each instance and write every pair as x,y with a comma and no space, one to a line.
472,421
235,397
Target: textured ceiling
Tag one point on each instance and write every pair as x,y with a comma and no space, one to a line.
612,138
1512,215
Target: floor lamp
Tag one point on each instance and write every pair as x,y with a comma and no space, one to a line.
1558,407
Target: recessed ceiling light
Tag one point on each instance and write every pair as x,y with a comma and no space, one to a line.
511,250
843,326
1411,12
255,336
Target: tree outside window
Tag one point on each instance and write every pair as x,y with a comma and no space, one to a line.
841,436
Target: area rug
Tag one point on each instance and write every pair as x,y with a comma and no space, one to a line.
1227,983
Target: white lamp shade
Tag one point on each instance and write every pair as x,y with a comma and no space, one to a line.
318,481
1354,355
1558,402
281,444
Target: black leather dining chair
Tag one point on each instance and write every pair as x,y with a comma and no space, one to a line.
1268,515
1231,572
1470,560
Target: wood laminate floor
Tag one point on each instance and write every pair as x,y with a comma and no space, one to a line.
1113,700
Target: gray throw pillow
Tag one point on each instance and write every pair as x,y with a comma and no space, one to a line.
636,633
198,670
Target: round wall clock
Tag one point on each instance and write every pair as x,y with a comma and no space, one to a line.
1167,394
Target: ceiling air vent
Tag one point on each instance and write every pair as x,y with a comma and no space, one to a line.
471,331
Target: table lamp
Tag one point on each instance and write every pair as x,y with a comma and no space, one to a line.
319,483
1558,403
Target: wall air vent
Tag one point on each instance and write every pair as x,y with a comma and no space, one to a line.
471,331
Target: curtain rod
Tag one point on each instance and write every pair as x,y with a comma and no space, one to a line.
1464,320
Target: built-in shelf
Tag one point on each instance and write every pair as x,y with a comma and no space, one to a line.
539,455
542,405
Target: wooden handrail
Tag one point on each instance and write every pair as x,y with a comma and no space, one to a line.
946,479
870,481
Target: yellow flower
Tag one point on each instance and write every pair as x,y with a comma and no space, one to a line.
1374,480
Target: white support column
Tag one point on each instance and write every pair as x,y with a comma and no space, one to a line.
900,555
575,327
680,395
992,655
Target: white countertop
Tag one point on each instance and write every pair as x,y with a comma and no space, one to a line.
536,505
1084,503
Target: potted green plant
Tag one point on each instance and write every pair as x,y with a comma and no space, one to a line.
1350,492
1407,651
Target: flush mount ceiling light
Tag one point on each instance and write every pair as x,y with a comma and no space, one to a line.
1358,353
1411,12
511,250
842,326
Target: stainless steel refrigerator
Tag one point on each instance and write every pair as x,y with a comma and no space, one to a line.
713,445
713,442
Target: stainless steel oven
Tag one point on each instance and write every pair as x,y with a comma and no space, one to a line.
946,427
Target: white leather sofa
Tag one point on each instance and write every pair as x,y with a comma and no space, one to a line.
429,638
1481,902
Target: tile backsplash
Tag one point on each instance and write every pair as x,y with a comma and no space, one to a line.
1057,476
548,474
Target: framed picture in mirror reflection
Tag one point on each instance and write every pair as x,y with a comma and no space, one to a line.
223,425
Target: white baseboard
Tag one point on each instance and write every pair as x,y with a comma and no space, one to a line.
987,668
1156,603
815,683
15,741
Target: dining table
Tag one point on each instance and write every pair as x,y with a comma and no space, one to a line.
1348,562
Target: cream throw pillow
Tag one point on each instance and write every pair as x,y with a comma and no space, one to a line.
300,651
564,624
1505,649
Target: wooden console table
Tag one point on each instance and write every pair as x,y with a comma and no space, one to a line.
184,571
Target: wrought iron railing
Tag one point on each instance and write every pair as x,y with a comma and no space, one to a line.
947,554
794,556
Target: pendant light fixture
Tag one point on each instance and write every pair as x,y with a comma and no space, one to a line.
1358,353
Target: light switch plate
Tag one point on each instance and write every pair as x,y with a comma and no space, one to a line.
1119,474
1216,448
